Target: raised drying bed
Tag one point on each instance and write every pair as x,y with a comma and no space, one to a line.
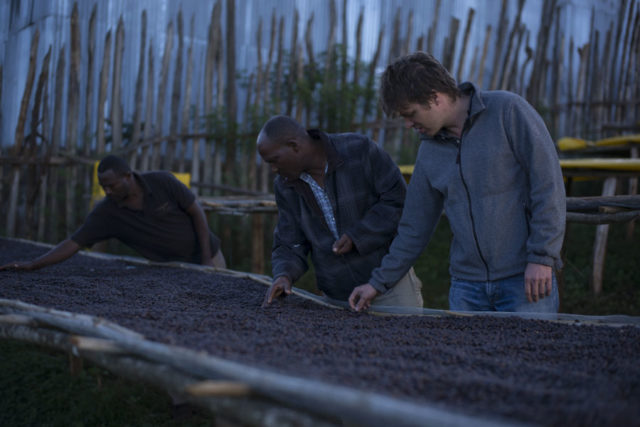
205,334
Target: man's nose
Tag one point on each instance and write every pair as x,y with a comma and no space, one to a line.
274,169
408,123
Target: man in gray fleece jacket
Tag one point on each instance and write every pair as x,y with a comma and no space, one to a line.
488,161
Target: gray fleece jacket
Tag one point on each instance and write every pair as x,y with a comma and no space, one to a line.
500,186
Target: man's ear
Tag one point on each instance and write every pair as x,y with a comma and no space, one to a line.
436,99
293,145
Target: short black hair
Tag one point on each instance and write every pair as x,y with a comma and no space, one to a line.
116,164
282,128
415,78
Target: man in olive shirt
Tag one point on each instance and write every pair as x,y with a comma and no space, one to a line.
152,212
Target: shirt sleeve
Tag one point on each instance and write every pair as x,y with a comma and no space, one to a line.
180,192
290,246
94,229
422,211
536,153
378,226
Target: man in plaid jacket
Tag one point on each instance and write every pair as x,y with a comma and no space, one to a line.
339,198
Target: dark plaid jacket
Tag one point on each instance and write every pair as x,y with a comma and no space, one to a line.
367,193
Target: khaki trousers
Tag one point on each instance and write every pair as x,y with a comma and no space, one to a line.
406,293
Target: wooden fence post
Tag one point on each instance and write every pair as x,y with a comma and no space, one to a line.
56,137
483,57
252,166
465,43
137,102
220,101
175,97
36,174
264,167
186,102
557,64
245,152
504,72
147,133
162,91
195,155
408,34
344,46
433,30
370,80
279,65
266,99
568,127
231,95
73,113
390,136
540,60
293,59
330,78
19,136
356,66
102,94
257,93
299,78
87,132
630,30
46,169
497,47
450,46
311,67
614,52
116,89
209,69
581,88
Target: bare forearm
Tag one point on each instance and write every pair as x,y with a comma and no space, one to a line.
65,249
59,253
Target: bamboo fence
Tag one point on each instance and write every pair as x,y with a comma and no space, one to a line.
45,183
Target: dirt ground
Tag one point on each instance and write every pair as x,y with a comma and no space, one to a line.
533,371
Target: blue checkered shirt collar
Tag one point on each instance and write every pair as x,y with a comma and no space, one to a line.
323,201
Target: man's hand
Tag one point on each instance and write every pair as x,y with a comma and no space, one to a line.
343,245
362,296
281,285
537,281
18,265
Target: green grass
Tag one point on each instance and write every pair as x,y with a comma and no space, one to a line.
621,278
37,389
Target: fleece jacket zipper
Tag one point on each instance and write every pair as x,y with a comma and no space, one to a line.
466,189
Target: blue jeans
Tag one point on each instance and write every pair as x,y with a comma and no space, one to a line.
499,295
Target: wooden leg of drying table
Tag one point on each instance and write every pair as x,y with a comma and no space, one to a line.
600,244
633,190
257,246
